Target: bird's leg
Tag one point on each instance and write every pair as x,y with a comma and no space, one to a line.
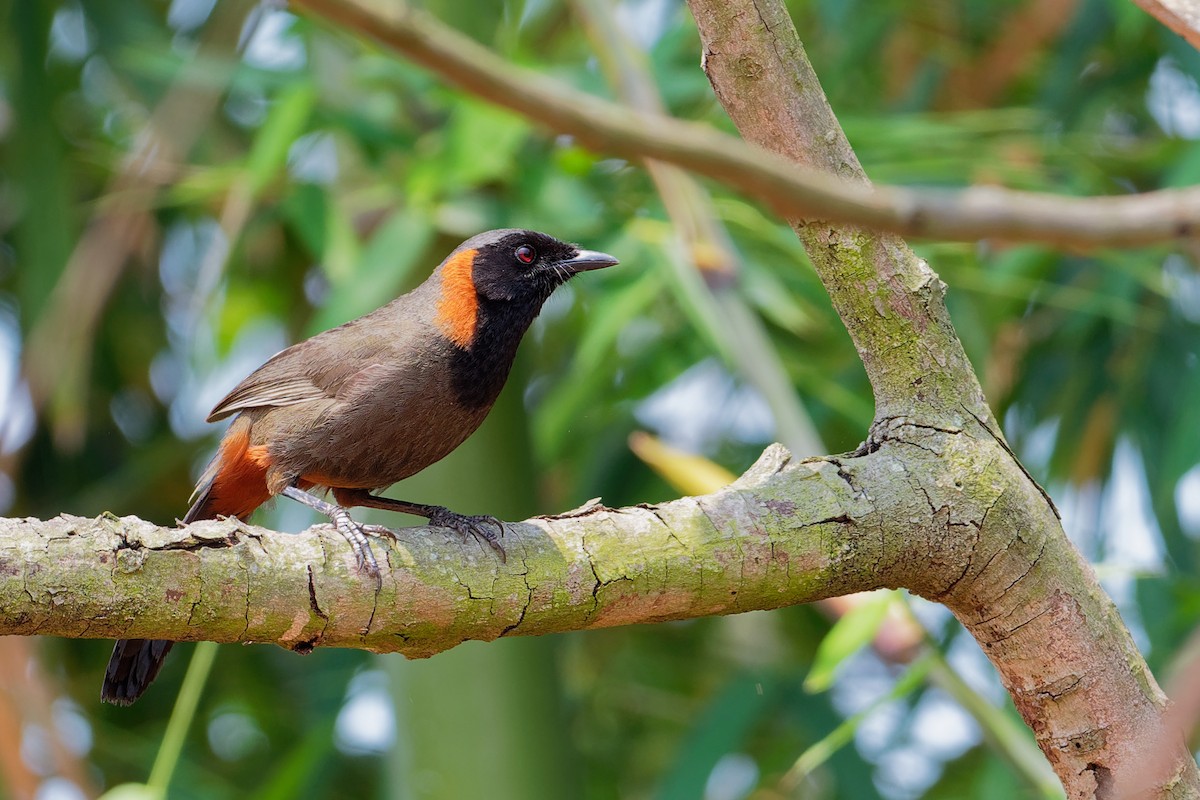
482,528
345,525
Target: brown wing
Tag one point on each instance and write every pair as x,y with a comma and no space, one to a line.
258,390
319,368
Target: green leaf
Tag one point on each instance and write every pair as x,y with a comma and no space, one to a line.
478,147
131,791
848,635
840,736
286,121
294,771
591,367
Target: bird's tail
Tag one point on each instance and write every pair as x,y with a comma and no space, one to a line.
233,485
133,665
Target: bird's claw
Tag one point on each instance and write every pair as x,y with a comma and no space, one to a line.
482,528
356,535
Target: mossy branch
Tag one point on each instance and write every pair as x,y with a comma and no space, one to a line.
229,582
786,532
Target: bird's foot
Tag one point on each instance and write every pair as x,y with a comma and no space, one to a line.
356,535
481,528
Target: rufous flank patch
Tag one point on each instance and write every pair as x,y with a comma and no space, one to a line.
260,456
240,484
459,305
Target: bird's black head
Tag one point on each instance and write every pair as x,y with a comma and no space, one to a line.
488,292
514,264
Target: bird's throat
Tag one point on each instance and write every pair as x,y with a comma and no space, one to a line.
480,369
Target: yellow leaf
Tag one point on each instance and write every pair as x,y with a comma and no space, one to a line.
689,473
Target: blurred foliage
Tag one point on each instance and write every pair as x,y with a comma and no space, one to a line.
326,177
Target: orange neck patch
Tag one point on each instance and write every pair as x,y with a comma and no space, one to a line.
458,306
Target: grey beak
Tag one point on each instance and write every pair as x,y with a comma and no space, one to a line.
586,260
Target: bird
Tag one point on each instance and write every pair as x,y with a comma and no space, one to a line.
361,406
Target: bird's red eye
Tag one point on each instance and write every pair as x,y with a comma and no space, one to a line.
526,254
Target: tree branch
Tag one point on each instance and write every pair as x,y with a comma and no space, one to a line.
976,213
1181,16
596,567
1056,623
889,300
708,267
786,532
947,514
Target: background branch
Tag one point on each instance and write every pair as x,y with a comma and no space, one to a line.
1181,16
975,213
59,357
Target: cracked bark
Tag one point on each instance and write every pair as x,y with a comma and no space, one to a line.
786,532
